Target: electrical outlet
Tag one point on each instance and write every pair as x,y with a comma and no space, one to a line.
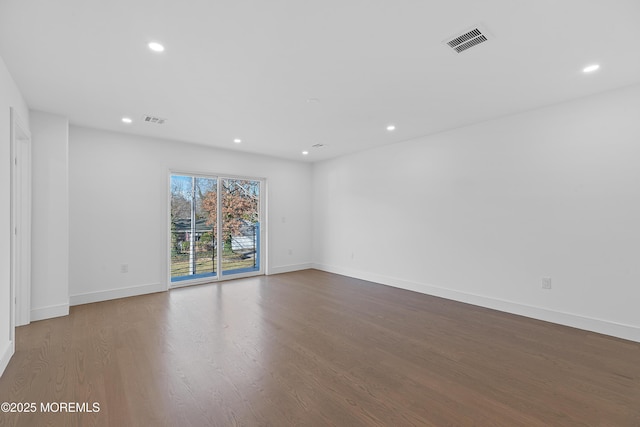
546,283
124,268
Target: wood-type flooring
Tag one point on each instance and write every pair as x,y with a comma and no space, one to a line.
311,348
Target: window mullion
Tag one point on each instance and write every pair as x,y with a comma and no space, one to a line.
219,240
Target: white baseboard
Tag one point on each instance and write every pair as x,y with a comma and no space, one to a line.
628,332
49,312
289,268
110,294
6,354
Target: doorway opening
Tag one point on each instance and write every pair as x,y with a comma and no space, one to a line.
20,273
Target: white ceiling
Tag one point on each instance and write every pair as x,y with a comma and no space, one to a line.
246,68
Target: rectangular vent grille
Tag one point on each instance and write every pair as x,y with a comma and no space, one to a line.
153,119
467,40
470,43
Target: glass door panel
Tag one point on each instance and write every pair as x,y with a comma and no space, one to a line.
193,227
240,226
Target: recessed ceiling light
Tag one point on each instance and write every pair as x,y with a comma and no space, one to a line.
304,153
590,68
127,120
156,47
391,128
237,140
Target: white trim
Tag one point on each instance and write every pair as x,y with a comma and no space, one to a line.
6,356
194,282
289,268
110,294
219,233
49,312
201,174
215,279
20,160
265,235
628,332
166,267
264,226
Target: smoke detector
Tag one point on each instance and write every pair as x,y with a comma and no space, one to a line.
468,39
153,119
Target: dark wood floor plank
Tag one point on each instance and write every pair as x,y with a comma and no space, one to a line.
312,348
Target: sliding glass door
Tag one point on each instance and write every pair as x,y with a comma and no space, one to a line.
215,227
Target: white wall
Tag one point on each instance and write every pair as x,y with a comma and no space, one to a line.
9,97
118,209
480,214
50,218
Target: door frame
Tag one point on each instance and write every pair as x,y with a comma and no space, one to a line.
20,222
262,236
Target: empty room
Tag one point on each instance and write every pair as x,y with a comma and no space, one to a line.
331,213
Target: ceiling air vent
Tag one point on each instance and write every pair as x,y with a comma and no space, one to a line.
154,119
317,145
468,39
